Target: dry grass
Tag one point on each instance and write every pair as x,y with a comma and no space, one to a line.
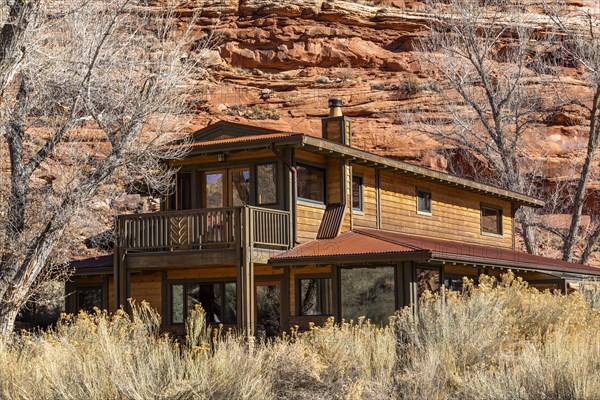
499,340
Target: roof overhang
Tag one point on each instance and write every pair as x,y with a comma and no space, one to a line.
325,147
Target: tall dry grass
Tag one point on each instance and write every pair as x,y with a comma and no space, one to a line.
497,340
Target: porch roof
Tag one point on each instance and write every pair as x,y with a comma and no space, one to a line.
93,265
377,245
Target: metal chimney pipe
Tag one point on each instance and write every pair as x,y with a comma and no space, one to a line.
335,107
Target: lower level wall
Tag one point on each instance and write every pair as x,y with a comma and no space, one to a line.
409,280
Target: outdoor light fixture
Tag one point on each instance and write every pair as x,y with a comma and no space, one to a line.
221,157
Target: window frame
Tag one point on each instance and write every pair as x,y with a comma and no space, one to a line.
186,283
204,186
499,224
324,183
73,288
298,296
421,212
339,296
361,204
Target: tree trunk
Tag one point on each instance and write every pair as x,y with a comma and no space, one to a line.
8,314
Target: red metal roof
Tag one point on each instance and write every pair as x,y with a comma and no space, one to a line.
243,139
364,241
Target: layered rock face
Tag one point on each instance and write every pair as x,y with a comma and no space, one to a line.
275,64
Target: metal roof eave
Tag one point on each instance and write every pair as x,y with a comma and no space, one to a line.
324,146
352,258
488,262
327,147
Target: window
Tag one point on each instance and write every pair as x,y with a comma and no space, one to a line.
491,220
311,183
428,279
266,182
423,202
268,309
88,297
217,299
314,296
214,189
181,199
357,193
240,186
368,292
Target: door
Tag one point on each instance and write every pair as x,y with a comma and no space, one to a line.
268,309
227,188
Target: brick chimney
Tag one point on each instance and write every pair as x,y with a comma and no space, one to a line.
336,127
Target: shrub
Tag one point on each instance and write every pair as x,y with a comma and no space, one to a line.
253,112
409,86
500,339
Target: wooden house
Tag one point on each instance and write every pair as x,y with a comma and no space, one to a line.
271,229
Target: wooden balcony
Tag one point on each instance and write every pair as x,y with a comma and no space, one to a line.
203,229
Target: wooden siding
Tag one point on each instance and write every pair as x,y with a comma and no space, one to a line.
250,156
309,157
147,287
455,213
309,215
308,220
366,218
334,182
218,272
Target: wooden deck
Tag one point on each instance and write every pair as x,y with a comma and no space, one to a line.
205,229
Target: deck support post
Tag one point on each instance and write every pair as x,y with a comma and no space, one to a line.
119,281
245,276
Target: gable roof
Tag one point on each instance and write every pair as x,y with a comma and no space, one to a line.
227,136
376,245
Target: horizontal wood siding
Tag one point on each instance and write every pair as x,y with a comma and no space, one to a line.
218,272
333,181
455,213
309,157
308,221
147,287
250,156
368,217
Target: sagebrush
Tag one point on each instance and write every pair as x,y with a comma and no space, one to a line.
494,340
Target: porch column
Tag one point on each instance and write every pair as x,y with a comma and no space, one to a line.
245,276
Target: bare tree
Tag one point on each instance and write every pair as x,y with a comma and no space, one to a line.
91,93
483,53
579,36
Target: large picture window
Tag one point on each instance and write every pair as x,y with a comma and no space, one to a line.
314,296
368,292
266,182
217,299
491,220
311,183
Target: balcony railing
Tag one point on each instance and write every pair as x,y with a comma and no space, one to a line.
213,228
